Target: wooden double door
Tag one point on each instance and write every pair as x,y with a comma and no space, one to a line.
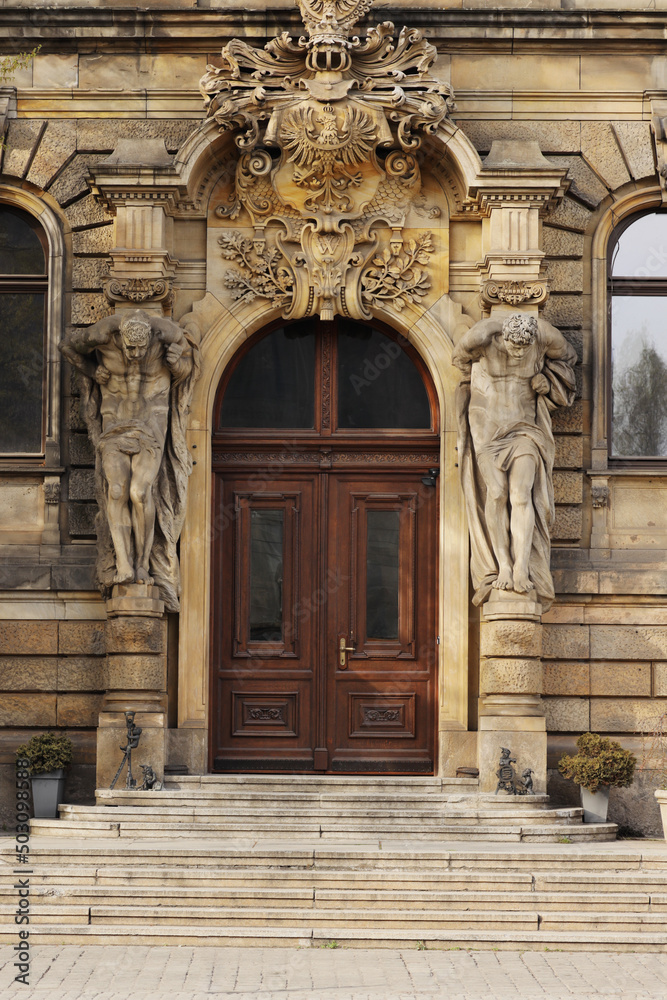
325,632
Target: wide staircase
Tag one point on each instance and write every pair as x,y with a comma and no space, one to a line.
336,862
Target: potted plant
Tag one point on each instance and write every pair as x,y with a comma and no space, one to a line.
45,757
599,765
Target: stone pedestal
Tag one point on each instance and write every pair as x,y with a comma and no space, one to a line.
511,713
136,668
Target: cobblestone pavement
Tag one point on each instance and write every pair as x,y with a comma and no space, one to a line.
163,973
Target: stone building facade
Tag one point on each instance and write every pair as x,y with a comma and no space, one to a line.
547,145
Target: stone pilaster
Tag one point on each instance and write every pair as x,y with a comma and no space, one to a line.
136,667
511,713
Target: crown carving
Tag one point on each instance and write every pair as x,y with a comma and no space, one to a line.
327,129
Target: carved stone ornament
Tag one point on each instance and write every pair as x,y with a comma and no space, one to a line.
328,128
52,492
600,496
139,290
515,293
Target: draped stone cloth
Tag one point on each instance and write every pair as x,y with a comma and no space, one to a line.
508,442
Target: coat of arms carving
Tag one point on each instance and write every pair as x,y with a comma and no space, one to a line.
328,129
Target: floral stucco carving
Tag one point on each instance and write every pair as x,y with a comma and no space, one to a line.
327,127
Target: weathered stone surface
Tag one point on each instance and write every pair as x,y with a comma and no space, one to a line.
89,307
565,642
625,715
136,635
28,638
57,145
102,135
27,709
28,673
568,487
82,484
636,141
562,242
565,275
81,519
628,642
660,679
553,137
85,212
136,672
97,240
75,576
24,576
76,421
568,418
567,678
621,678
513,638
81,673
55,70
82,638
567,715
576,338
599,146
72,182
21,139
88,273
569,452
570,215
567,524
80,450
584,182
511,676
78,709
565,310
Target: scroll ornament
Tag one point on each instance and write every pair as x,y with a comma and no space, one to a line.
328,128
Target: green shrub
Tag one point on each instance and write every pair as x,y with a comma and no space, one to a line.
46,752
600,762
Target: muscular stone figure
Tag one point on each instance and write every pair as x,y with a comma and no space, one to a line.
137,362
514,374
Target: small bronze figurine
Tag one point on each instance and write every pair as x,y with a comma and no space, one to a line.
151,783
133,736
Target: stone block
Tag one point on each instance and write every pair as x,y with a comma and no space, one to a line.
85,212
510,638
569,452
568,419
79,576
628,642
456,749
102,134
530,750
97,240
562,243
55,70
27,709
601,150
89,273
57,145
567,715
552,136
78,710
151,750
190,747
570,215
660,679
636,141
625,715
82,484
20,576
565,642
28,673
81,519
621,678
136,672
82,638
136,635
568,487
567,524
72,182
82,673
568,678
20,142
89,307
565,310
28,638
81,451
512,675
565,275
75,418
584,182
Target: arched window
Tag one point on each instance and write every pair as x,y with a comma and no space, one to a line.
637,283
23,298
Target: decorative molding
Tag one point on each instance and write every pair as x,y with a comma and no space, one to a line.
52,492
327,129
514,293
382,714
139,290
326,459
266,714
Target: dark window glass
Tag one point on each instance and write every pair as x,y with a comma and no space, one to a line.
266,575
274,383
21,371
378,383
382,549
21,250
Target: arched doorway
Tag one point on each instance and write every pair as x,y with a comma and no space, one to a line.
323,628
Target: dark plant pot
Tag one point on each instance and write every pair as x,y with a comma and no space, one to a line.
48,791
595,804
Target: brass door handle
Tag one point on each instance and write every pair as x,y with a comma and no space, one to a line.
343,650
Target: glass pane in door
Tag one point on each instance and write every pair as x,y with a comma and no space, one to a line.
382,555
266,575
